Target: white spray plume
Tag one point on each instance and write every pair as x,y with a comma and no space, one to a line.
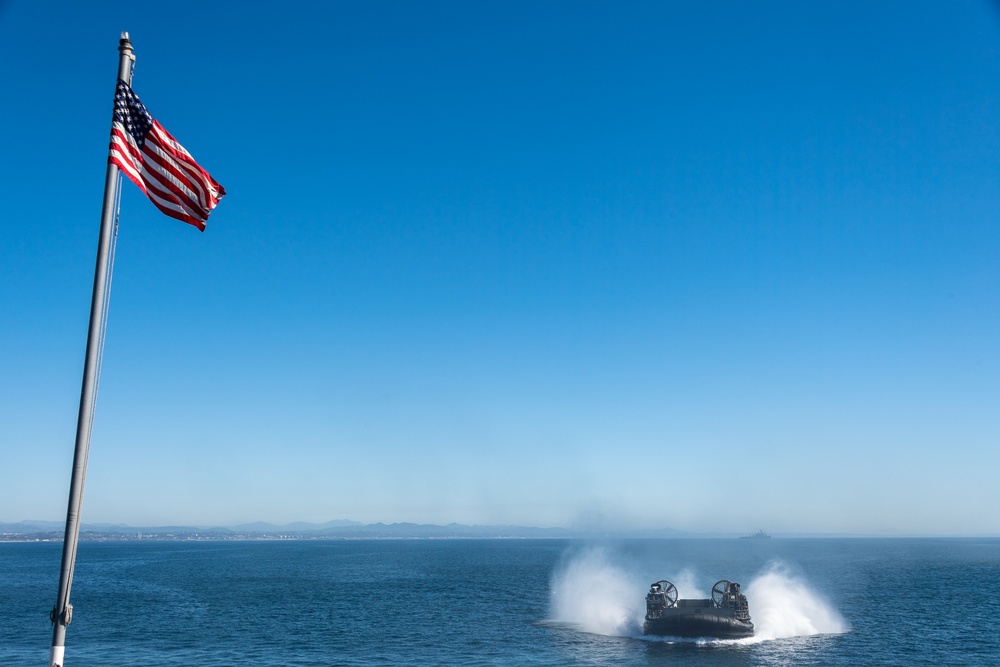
687,584
594,595
783,605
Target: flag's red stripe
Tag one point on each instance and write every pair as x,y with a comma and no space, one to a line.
177,214
167,191
125,155
183,176
170,145
175,177
126,146
170,178
166,142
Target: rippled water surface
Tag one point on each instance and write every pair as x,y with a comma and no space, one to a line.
500,602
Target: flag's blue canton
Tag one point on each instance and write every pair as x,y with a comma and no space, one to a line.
131,113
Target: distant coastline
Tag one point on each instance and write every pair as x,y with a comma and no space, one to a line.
52,531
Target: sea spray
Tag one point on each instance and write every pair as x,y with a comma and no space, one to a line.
784,605
593,591
592,594
687,584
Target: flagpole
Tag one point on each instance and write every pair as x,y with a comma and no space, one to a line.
62,613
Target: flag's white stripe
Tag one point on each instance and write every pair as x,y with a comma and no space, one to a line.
182,170
155,184
165,146
169,140
165,178
171,172
125,147
127,165
173,205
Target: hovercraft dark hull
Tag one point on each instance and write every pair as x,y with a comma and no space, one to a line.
698,625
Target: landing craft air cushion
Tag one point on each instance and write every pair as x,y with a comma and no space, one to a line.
725,615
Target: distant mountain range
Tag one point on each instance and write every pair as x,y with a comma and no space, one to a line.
337,529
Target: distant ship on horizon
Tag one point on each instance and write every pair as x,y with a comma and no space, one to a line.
759,535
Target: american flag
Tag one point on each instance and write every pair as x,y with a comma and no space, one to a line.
161,167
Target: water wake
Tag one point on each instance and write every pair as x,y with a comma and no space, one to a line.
592,593
784,605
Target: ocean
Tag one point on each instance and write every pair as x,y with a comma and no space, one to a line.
906,602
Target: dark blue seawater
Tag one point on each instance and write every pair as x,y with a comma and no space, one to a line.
500,602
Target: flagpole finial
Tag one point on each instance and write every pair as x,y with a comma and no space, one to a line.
125,48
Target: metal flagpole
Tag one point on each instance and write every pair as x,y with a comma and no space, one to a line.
62,613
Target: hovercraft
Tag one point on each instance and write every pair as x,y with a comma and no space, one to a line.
725,615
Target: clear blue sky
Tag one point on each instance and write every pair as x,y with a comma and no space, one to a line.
706,265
